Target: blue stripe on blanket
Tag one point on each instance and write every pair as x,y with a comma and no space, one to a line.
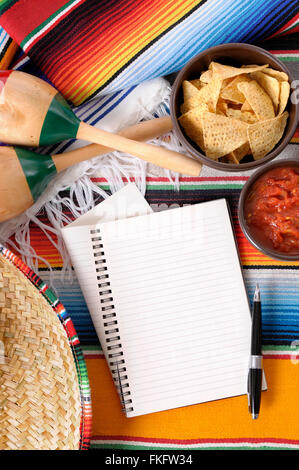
279,305
203,29
3,38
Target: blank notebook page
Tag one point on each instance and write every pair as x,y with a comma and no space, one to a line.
181,306
125,203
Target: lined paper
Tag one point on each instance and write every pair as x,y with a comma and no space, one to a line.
125,203
181,305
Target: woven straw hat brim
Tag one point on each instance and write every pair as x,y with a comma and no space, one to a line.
40,403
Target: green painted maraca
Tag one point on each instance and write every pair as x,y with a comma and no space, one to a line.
24,174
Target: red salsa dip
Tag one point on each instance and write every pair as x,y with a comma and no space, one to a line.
271,209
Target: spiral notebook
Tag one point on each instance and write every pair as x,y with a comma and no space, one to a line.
166,294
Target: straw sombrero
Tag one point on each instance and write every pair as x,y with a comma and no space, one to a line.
44,390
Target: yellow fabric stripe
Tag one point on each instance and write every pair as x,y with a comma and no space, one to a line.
8,56
221,419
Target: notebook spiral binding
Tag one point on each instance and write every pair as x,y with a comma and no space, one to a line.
114,346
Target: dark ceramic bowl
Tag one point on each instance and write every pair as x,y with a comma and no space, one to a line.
235,54
263,245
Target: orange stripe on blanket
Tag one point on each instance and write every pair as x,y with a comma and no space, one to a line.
146,32
8,56
250,256
128,41
295,138
117,34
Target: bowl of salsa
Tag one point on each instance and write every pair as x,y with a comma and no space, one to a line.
269,210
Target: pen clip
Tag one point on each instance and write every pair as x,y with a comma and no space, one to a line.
249,402
248,393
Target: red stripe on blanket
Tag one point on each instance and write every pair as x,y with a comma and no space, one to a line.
294,357
182,179
196,441
285,51
112,36
287,25
39,12
126,50
57,20
290,31
94,30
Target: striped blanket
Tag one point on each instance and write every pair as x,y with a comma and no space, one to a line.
87,46
223,424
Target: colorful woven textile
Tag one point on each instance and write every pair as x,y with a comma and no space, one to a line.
84,46
8,49
222,424
219,424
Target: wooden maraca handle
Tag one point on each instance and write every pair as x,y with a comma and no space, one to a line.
24,174
158,155
143,131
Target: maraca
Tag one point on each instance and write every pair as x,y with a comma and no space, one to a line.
33,113
24,174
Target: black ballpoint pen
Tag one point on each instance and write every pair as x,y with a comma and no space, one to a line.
255,373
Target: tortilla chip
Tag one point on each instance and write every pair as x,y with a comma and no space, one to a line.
190,93
226,71
224,159
221,107
189,90
245,116
222,134
271,86
231,92
206,76
246,106
197,83
282,76
231,158
192,124
229,112
284,96
236,155
209,94
264,135
240,152
250,66
258,99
